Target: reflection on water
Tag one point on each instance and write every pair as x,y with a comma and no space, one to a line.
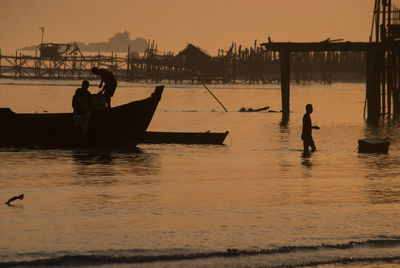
284,133
284,122
104,167
306,159
383,191
381,170
114,181
382,177
385,128
90,158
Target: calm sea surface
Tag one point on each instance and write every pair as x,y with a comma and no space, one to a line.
255,201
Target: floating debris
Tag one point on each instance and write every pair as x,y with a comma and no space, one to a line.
373,145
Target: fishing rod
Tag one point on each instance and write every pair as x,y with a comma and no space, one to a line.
201,81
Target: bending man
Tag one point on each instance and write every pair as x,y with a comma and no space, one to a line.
110,84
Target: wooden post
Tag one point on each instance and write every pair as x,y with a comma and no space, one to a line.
0,62
390,64
98,59
396,82
390,83
16,63
20,64
37,64
383,62
284,57
389,20
116,64
383,25
395,94
377,14
128,59
373,85
382,71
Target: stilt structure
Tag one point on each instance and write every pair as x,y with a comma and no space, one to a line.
236,65
382,62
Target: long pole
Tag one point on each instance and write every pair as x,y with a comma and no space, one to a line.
373,20
284,58
377,12
201,81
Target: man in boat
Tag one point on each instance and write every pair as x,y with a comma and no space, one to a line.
110,84
81,102
306,134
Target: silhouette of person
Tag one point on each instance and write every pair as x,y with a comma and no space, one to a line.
81,99
306,134
81,102
110,84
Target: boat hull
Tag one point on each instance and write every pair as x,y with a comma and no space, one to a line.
119,126
153,137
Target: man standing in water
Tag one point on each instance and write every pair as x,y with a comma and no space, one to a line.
110,84
306,134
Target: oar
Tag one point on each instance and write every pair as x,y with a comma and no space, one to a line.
198,77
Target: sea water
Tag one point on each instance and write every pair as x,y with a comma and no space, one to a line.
255,201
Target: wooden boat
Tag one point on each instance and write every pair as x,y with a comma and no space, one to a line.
207,137
119,126
373,145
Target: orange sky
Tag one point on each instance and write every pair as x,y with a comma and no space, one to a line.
210,24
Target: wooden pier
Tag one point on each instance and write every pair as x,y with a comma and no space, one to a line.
234,65
382,65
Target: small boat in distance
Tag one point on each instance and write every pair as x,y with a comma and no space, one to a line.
156,137
120,126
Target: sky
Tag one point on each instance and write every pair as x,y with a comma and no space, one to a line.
209,24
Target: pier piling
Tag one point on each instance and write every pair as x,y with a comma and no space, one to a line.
284,56
373,85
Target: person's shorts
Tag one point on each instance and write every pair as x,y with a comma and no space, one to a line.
109,89
306,137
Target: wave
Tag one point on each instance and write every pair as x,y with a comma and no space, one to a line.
347,261
103,259
80,260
